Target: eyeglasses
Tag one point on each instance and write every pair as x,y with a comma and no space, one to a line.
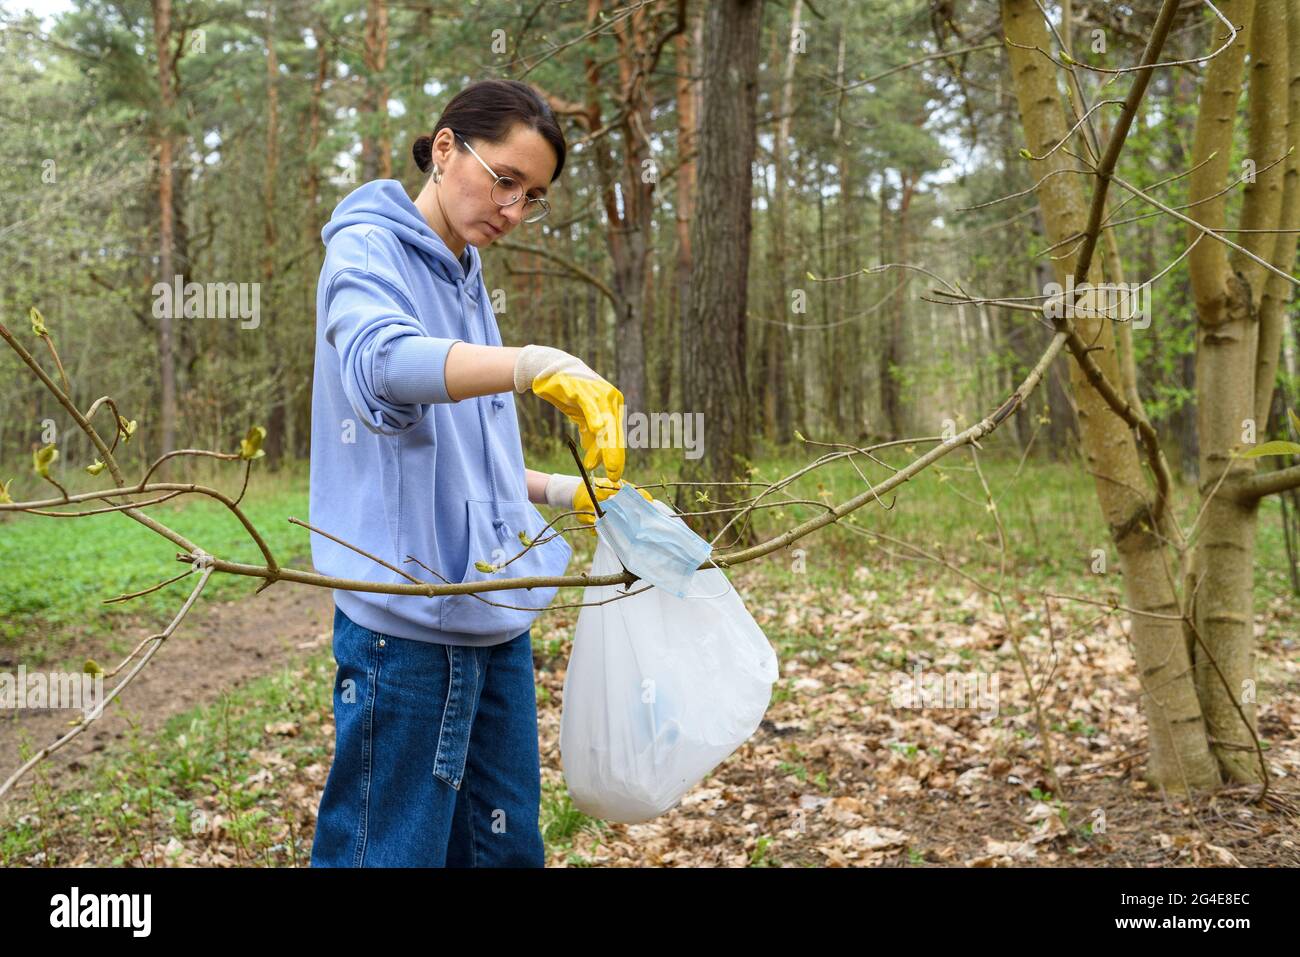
506,191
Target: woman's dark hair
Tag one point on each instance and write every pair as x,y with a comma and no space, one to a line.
488,110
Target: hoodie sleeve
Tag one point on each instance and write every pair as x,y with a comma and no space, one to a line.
391,370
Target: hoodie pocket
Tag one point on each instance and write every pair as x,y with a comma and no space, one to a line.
497,544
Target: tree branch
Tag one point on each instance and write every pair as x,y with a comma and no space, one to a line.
568,264
1268,483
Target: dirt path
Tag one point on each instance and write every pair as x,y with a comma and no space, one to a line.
219,646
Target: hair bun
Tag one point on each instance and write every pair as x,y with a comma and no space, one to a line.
422,150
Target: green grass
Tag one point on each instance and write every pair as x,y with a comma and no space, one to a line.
56,572
149,790
561,823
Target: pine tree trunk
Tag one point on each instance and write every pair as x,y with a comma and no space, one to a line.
376,147
715,325
166,152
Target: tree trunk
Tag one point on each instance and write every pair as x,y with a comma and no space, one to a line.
165,148
893,350
272,149
1238,337
275,426
688,66
775,339
301,416
1179,752
312,187
713,362
376,147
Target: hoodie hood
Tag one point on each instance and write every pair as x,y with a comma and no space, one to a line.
383,202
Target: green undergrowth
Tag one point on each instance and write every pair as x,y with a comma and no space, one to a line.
139,793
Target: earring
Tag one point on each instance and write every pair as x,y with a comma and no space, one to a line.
437,174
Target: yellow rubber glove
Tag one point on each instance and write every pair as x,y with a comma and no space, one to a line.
590,402
569,492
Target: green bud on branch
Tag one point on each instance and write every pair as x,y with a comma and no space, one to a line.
250,446
43,458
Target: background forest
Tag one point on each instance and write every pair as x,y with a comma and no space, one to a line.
273,113
880,282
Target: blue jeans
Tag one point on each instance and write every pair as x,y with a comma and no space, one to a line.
436,756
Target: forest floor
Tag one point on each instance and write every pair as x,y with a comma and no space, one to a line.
219,751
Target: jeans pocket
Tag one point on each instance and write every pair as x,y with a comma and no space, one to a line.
457,714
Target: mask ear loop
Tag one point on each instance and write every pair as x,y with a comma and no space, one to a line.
730,587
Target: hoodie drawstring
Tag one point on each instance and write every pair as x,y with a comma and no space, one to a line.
497,521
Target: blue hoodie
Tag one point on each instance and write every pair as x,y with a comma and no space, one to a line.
397,467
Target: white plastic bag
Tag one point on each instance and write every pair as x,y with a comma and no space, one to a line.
658,692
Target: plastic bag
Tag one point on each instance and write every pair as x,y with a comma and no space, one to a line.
658,692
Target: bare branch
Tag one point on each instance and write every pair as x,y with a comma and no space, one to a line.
1269,483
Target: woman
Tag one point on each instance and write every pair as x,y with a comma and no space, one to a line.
436,753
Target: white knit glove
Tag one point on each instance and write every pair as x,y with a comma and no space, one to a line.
561,488
535,360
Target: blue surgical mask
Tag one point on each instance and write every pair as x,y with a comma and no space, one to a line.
651,541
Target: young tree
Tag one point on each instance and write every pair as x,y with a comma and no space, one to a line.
1189,592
